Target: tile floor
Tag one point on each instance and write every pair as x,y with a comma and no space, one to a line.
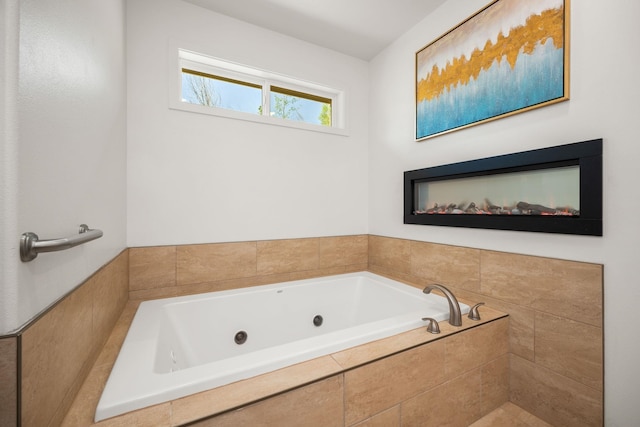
510,415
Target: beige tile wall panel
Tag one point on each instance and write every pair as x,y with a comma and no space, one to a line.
521,321
380,385
234,395
318,404
565,288
9,381
343,251
495,383
446,265
390,254
474,347
213,262
54,349
82,410
110,295
554,398
510,415
388,418
152,268
287,256
456,403
59,348
570,348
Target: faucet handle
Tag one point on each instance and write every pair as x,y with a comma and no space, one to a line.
433,326
474,314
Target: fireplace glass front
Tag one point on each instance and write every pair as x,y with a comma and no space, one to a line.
555,190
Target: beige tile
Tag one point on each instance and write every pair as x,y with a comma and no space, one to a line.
383,384
152,267
554,398
495,383
82,410
149,294
565,288
456,403
343,250
318,404
388,418
509,415
521,327
520,415
447,265
153,416
213,262
570,348
475,347
67,400
414,281
287,256
110,295
240,393
378,349
390,254
521,321
110,351
54,350
9,381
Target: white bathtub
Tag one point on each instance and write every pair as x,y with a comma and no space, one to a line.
184,345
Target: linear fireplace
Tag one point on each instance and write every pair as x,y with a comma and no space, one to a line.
551,190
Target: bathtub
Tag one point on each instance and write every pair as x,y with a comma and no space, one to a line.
184,345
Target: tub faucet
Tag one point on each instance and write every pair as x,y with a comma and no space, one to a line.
455,317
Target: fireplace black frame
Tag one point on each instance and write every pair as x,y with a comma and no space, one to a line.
587,155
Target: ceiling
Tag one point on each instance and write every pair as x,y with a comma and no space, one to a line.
359,28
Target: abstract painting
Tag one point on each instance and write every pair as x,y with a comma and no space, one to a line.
510,57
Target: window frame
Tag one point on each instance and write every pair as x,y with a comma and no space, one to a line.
242,74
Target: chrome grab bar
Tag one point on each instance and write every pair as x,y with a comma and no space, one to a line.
31,246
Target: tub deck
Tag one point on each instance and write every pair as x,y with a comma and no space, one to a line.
225,398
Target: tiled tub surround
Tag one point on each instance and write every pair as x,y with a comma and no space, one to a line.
555,359
463,372
166,271
555,313
58,349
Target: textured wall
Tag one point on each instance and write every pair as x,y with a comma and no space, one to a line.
195,178
67,150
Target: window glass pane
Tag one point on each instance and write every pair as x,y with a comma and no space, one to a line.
215,91
293,105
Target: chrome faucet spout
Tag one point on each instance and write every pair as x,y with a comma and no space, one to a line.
455,316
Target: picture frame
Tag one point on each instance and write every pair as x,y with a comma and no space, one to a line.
510,57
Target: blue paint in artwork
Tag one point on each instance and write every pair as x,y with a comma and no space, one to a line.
536,78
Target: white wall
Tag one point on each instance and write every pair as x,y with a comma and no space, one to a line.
65,148
195,178
604,103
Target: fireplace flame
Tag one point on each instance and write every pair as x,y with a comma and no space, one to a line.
488,208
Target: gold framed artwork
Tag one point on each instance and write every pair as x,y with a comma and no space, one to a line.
512,56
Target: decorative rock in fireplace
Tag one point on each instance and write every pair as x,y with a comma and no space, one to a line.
550,190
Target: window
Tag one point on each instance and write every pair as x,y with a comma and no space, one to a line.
294,105
216,91
212,86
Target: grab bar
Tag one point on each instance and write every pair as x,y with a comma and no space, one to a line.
31,246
